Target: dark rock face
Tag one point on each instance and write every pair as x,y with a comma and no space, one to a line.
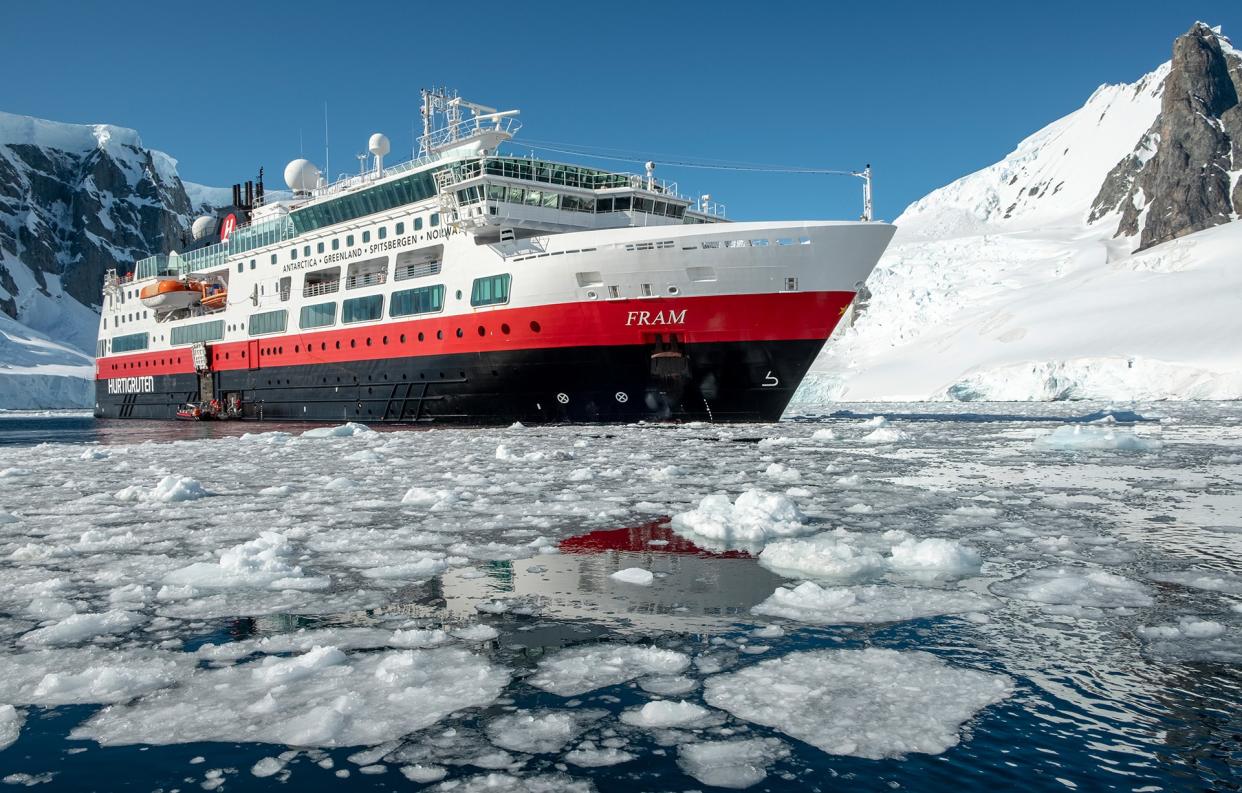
1178,180
78,213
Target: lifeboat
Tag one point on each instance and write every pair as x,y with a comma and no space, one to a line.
214,297
171,294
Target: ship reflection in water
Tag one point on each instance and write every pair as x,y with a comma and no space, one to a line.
694,590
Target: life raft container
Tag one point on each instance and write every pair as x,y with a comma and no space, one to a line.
170,294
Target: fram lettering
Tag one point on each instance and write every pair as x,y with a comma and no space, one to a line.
669,317
132,385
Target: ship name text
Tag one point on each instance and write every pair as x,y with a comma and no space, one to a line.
131,385
669,317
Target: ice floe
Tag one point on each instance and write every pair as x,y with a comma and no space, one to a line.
87,675
322,697
811,603
11,721
753,518
506,783
578,670
634,575
665,713
1075,587
842,554
1194,638
538,732
1080,437
733,764
170,489
265,562
1208,580
869,703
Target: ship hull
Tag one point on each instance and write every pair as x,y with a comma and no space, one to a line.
724,381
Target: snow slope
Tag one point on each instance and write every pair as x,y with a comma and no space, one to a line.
1002,286
75,200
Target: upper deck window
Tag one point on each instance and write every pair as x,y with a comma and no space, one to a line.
491,290
134,341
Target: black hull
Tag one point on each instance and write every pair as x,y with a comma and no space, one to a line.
738,381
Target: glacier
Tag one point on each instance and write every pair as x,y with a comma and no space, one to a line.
1011,284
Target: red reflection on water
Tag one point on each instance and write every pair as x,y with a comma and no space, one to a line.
638,538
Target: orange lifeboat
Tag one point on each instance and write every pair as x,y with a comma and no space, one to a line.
170,294
214,297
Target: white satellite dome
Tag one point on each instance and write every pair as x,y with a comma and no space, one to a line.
301,176
202,226
379,145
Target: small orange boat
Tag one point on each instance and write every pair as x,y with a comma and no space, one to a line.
171,293
214,298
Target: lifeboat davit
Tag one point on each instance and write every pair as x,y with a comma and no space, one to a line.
170,294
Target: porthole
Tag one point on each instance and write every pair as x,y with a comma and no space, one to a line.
338,344
368,341
323,345
592,294
482,331
672,290
504,328
420,335
459,333
535,326
439,334
353,342
297,348
459,294
384,340
403,338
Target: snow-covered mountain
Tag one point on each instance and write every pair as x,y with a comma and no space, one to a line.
1097,260
75,200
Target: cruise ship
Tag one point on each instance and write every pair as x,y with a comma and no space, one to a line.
473,285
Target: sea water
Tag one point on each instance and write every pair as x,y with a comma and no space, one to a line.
873,597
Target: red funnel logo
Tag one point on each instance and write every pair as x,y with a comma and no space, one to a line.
226,227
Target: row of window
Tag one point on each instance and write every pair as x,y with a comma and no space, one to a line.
131,342
553,200
349,240
403,303
377,198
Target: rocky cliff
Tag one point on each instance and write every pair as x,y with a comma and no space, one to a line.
1183,174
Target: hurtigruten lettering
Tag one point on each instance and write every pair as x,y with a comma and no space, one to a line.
132,385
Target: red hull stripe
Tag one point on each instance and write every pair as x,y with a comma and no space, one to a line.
782,316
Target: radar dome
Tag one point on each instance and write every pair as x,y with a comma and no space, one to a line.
378,144
202,226
301,176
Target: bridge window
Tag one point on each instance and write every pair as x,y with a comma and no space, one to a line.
418,224
435,219
491,290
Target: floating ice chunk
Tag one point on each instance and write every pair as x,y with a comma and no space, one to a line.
828,555
1210,580
424,774
669,685
824,435
782,473
79,627
1077,437
170,489
597,758
7,518
11,721
419,638
754,518
303,640
664,713
320,698
885,435
875,422
578,670
935,555
1193,639
30,780
534,733
88,675
1075,586
268,766
869,703
475,633
634,575
261,563
343,431
768,632
733,764
811,603
505,783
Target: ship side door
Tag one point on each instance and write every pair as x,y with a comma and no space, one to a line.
252,353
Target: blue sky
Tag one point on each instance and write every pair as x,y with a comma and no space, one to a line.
925,91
